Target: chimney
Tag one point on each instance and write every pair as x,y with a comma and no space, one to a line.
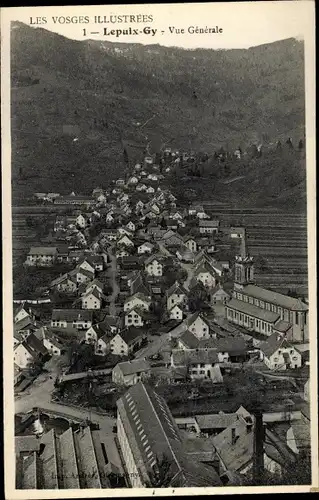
233,436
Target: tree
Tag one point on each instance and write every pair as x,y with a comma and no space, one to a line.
300,145
197,298
162,472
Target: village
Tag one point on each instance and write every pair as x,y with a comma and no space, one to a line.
156,331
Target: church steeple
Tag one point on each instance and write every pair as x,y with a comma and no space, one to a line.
244,264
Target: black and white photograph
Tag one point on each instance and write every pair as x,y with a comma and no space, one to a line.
159,249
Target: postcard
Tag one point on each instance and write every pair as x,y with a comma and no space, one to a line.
159,249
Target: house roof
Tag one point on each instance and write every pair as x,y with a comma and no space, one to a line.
209,223
189,340
275,298
256,312
34,345
131,334
96,294
233,346
85,272
151,258
183,358
204,267
218,289
72,315
43,251
185,253
134,366
189,321
216,421
272,344
177,289
235,456
23,323
140,296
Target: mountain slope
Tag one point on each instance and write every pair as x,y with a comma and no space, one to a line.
101,93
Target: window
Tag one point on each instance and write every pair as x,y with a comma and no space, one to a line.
256,302
291,351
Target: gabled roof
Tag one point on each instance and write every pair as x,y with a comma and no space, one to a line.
272,344
204,267
282,326
176,288
189,321
131,334
140,296
275,298
34,345
96,294
134,366
151,258
23,323
189,340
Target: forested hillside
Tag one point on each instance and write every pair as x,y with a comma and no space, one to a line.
74,102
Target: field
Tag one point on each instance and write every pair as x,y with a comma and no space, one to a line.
279,238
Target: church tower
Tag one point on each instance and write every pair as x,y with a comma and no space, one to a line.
244,265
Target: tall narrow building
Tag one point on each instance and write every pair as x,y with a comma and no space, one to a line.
244,265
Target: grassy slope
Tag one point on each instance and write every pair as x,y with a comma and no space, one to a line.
242,96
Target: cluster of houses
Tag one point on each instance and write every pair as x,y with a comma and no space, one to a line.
159,256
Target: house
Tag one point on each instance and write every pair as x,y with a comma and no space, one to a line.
150,190
194,209
50,341
208,226
75,318
278,354
218,295
132,180
29,351
129,263
137,300
235,448
131,372
153,266
176,312
124,342
205,274
65,283
124,231
93,285
137,317
201,364
22,312
120,182
24,327
152,177
41,256
137,283
108,234
125,241
190,242
92,299
145,248
82,275
187,341
121,252
141,187
131,226
170,239
109,217
185,255
197,325
176,294
92,263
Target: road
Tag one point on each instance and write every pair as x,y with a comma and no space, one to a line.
115,287
157,344
189,268
39,395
